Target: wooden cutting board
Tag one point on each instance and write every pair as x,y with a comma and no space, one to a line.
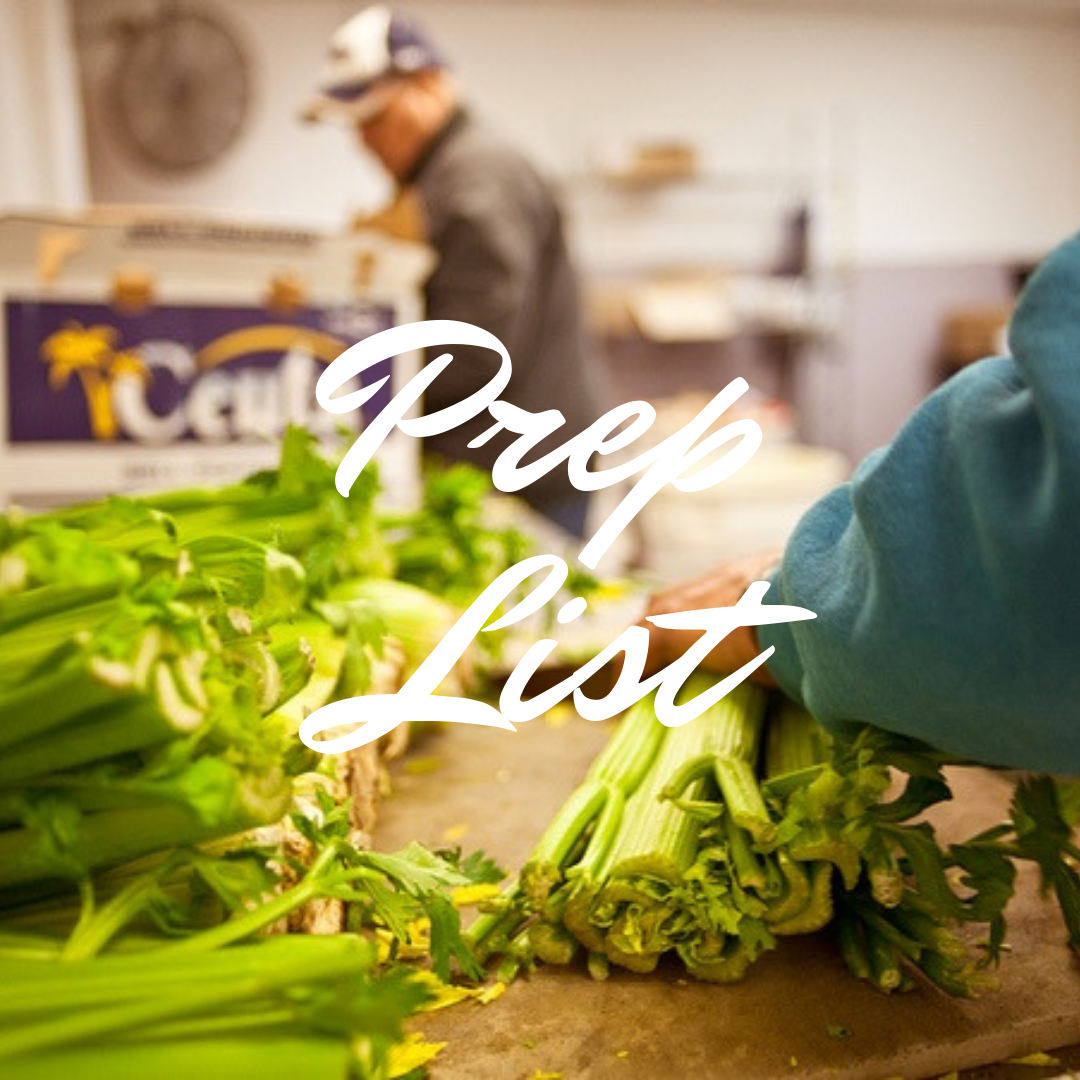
798,1014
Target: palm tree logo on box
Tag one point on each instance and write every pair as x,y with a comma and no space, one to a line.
89,354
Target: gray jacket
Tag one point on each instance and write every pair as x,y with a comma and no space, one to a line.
503,266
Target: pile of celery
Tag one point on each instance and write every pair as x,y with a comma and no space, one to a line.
154,655
169,1003
159,653
158,656
713,840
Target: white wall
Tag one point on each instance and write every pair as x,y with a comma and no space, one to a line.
952,132
42,151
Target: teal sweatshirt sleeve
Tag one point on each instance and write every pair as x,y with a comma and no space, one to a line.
946,574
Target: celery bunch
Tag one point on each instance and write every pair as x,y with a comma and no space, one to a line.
156,658
159,653
713,840
137,708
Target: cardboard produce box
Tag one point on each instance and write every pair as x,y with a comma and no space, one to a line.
141,351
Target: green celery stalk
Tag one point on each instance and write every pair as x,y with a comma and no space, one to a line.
27,646
794,741
208,999
269,1057
612,778
132,724
56,696
54,599
116,836
115,978
736,724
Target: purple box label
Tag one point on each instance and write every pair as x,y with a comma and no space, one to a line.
89,373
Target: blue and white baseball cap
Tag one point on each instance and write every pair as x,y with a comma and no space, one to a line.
366,54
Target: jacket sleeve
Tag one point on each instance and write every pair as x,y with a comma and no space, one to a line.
946,574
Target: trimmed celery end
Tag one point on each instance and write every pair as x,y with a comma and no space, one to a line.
134,723
551,943
818,911
796,895
58,696
117,836
639,962
817,843
886,972
729,967
578,916
599,966
852,946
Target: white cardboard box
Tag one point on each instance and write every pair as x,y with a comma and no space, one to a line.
140,351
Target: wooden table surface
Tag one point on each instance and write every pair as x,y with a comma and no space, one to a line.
496,790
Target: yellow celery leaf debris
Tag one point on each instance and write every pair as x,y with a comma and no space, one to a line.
540,1075
421,766
443,995
416,948
491,993
1038,1058
456,832
412,1054
464,895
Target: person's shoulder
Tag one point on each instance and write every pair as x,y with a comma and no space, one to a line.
479,156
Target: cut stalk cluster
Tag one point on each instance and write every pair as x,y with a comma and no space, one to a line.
712,840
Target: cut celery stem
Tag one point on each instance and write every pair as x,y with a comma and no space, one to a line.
270,1057
132,724
52,698
117,836
208,1000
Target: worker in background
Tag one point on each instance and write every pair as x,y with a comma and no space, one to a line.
497,231
946,574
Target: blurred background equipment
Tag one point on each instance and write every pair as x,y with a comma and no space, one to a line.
182,86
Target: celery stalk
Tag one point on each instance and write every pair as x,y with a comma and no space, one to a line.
270,1057
134,723
116,836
